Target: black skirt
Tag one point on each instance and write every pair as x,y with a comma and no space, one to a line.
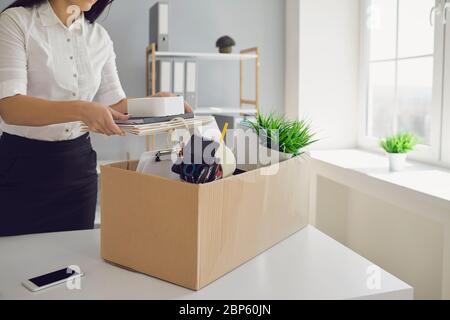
46,186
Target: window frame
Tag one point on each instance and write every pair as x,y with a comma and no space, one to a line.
433,153
445,123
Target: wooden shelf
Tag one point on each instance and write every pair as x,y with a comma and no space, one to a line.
206,56
250,54
225,111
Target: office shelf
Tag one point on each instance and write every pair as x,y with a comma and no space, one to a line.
207,56
225,111
250,54
151,55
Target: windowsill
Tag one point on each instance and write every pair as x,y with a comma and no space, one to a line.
429,181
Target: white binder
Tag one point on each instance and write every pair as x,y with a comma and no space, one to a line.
163,75
190,92
159,25
178,77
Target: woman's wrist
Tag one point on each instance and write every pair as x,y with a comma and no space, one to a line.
80,108
121,106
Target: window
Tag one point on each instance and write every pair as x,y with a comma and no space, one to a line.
402,73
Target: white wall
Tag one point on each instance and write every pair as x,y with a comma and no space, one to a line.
328,64
292,74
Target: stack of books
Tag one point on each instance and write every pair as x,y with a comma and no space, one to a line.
154,125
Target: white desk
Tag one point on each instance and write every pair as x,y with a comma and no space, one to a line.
308,265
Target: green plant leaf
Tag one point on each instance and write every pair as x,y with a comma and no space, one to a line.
400,143
291,136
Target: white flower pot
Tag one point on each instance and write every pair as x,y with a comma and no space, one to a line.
274,155
264,157
397,161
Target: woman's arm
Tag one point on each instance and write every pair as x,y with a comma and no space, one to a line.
23,110
16,108
121,106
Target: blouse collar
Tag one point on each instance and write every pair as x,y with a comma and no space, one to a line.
49,18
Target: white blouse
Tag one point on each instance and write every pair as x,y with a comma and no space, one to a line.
41,57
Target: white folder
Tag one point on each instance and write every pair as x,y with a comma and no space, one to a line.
165,76
190,94
178,77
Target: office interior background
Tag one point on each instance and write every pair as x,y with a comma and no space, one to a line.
317,64
195,26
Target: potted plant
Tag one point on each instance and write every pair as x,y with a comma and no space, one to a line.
276,133
397,148
225,44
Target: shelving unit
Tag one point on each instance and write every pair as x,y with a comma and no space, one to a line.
251,54
245,55
225,111
206,56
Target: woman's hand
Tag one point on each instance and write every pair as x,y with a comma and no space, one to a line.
100,119
121,106
187,107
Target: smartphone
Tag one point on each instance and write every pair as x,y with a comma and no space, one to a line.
51,279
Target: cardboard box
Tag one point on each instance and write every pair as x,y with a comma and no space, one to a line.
190,234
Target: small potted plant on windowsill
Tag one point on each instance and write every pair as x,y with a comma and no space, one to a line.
397,148
285,137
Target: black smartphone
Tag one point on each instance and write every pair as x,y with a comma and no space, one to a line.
51,279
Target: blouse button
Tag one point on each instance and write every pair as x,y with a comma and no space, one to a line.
68,39
71,57
74,75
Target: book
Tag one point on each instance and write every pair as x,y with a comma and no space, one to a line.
134,121
155,125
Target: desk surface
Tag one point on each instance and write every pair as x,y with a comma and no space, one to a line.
308,265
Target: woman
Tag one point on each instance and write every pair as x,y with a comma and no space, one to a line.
57,70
